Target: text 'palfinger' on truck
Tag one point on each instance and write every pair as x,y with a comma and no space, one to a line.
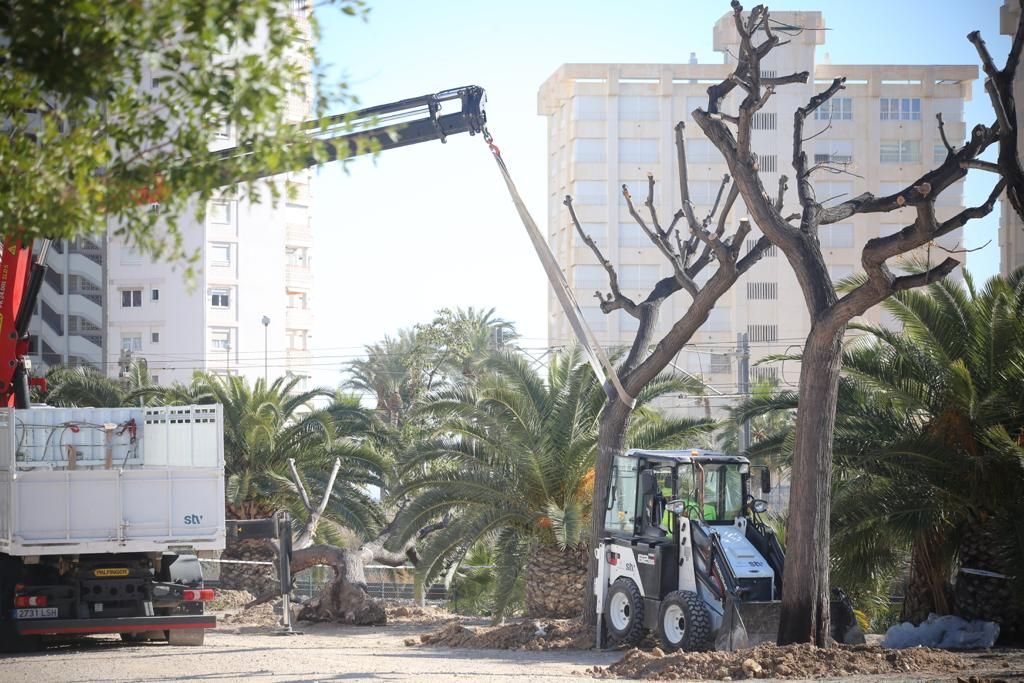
103,514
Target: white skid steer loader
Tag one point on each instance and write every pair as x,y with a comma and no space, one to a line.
685,555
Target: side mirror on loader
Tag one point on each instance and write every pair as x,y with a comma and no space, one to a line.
766,480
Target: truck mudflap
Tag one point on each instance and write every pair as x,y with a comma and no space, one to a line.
33,627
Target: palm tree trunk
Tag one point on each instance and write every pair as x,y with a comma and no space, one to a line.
555,579
928,589
805,587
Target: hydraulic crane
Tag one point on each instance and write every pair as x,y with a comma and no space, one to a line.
387,126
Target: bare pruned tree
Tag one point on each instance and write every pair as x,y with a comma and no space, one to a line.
805,613
691,245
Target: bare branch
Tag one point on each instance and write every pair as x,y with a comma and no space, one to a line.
718,198
658,238
942,134
962,250
684,186
982,166
329,488
803,183
300,486
613,280
781,196
921,279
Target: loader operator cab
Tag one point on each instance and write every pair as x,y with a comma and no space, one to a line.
649,489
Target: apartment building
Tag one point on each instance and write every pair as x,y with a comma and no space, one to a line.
1011,229
249,309
69,323
611,124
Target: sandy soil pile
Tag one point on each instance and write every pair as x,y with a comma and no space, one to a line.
554,634
772,661
224,600
267,614
398,613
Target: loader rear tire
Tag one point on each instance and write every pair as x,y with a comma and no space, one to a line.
624,612
683,622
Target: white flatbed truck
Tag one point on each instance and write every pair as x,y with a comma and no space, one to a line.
103,515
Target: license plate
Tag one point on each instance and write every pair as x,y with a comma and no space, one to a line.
36,613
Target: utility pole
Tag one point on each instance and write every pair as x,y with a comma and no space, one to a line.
266,363
743,381
227,358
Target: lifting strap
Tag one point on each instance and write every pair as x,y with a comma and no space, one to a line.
599,361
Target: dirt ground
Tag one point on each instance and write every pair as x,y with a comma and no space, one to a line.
326,652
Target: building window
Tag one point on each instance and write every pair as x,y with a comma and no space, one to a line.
835,109
595,231
762,333
130,256
220,339
590,192
764,291
701,151
131,298
638,109
298,340
750,243
768,163
297,299
900,109
220,254
836,236
632,235
719,320
154,294
899,151
637,276
638,151
832,191
219,213
588,150
704,192
765,120
719,364
297,256
596,320
628,323
761,373
154,337
589,108
833,151
939,153
589,277
131,342
839,272
220,298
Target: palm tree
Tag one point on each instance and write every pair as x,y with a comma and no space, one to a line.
927,446
86,387
512,463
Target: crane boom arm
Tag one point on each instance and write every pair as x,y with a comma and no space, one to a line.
387,126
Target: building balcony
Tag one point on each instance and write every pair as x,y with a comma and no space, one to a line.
299,318
299,276
299,361
86,267
299,234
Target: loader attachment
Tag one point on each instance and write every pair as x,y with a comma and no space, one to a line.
760,619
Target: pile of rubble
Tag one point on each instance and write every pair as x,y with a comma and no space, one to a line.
773,661
553,634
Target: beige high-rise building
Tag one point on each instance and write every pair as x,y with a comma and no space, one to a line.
611,124
1011,229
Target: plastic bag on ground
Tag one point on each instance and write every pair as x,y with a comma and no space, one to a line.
946,633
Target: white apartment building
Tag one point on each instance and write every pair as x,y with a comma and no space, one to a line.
249,309
611,124
1011,229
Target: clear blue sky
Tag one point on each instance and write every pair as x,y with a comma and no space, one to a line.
432,226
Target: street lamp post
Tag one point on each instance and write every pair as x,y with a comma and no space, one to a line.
266,331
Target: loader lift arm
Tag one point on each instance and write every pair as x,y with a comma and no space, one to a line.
387,126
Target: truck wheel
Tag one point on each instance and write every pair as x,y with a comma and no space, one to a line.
683,622
134,636
186,636
624,612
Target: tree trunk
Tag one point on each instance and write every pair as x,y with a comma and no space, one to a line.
928,588
344,600
805,588
555,580
610,443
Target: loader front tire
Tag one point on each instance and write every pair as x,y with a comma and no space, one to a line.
624,612
683,622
